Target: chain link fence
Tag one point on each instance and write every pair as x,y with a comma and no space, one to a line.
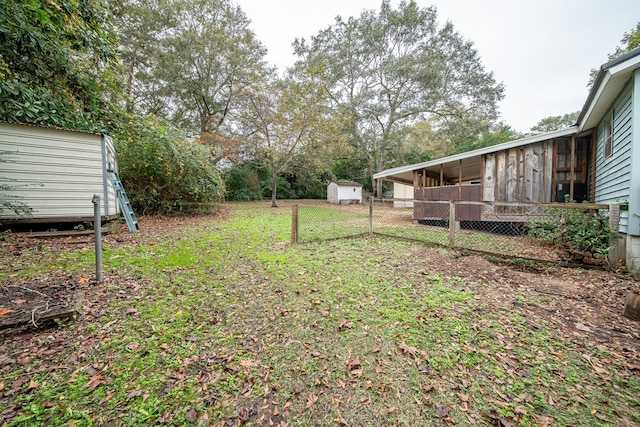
542,232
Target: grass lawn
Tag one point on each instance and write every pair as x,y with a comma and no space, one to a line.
219,321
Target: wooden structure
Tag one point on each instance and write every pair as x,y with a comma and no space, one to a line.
554,167
596,160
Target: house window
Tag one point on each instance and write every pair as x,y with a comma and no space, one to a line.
608,135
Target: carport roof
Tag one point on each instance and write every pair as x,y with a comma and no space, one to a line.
470,161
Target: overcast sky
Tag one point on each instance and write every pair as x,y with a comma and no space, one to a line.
542,50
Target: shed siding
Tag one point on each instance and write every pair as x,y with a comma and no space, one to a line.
613,173
518,175
54,172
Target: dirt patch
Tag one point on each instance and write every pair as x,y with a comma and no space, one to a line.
579,302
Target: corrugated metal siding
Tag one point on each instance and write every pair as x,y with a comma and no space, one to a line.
110,162
613,174
54,172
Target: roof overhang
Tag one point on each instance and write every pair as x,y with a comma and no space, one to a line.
464,166
611,79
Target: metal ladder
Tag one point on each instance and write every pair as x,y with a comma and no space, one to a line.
123,200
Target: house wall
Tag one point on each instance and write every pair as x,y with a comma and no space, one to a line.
402,191
613,174
632,255
54,172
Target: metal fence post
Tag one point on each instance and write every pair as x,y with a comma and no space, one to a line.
294,224
452,222
370,216
97,226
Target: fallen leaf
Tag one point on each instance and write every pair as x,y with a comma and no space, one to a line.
353,363
132,345
425,369
407,349
344,324
441,411
5,311
96,380
165,418
134,393
191,415
131,310
501,421
427,388
582,327
312,398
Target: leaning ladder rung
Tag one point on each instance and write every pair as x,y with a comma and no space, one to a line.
125,205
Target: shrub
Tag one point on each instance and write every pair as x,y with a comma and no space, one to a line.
164,172
244,182
583,232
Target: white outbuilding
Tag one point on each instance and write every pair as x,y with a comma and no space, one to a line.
344,192
55,173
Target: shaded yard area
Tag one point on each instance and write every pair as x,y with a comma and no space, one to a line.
219,321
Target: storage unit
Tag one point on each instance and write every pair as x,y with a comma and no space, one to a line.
344,192
56,173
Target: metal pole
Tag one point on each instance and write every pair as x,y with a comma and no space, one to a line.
294,224
452,223
371,216
97,225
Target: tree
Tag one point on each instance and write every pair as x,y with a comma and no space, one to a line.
496,134
551,123
188,61
384,71
283,121
58,63
141,27
629,41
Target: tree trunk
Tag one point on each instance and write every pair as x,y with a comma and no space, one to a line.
274,187
379,167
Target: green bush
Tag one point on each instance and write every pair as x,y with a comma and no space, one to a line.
164,172
583,232
244,182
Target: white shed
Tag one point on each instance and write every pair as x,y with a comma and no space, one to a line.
344,192
56,173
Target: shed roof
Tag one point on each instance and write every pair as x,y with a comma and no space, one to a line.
347,184
470,161
52,128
